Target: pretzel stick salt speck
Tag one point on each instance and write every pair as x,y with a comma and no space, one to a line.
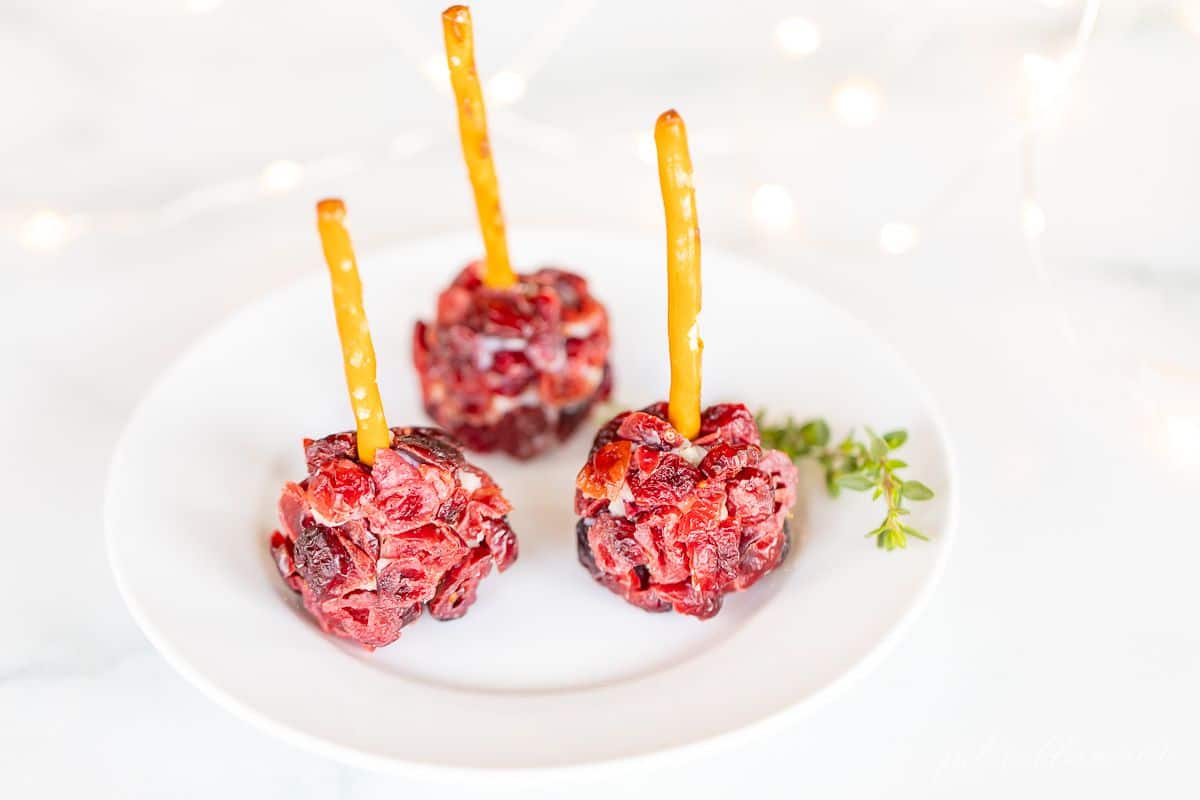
683,272
358,353
477,151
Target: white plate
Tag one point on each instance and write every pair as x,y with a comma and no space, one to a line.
548,669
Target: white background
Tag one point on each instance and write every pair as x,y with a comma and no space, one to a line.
1060,652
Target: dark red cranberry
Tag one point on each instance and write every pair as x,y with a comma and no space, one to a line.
665,534
329,562
367,547
671,482
457,590
727,459
650,430
544,341
728,422
337,489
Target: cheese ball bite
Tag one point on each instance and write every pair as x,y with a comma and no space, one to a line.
511,362
669,522
514,370
368,547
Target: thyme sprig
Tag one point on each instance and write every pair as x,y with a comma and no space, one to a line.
857,464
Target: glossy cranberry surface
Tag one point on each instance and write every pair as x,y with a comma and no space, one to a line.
513,370
367,548
669,523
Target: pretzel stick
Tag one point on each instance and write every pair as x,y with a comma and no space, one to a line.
477,152
358,354
683,272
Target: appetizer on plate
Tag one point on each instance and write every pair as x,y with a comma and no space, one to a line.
679,506
511,362
388,521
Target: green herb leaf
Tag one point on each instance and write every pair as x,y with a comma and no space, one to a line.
915,490
815,433
857,483
878,447
857,465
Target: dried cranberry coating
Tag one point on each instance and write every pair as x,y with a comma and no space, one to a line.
368,547
669,523
514,370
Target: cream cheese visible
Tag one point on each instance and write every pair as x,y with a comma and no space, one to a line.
469,480
691,453
490,345
617,507
502,404
580,328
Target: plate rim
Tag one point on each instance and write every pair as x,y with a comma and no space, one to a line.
480,775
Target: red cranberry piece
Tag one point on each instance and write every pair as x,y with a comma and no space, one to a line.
501,542
407,582
658,409
361,616
614,546
646,459
608,433
714,558
337,490
420,347
751,496
686,599
650,430
434,547
584,549
784,478
522,432
671,482
547,307
410,505
565,388
430,445
451,511
506,314
727,459
569,288
728,422
764,548
281,552
655,531
486,505
513,372
293,507
338,445
704,514
571,417
469,277
490,501
453,306
548,353
330,563
392,470
457,590
629,586
589,506
604,473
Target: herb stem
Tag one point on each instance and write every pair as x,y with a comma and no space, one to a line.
856,465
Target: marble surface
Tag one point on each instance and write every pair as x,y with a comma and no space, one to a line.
1060,652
